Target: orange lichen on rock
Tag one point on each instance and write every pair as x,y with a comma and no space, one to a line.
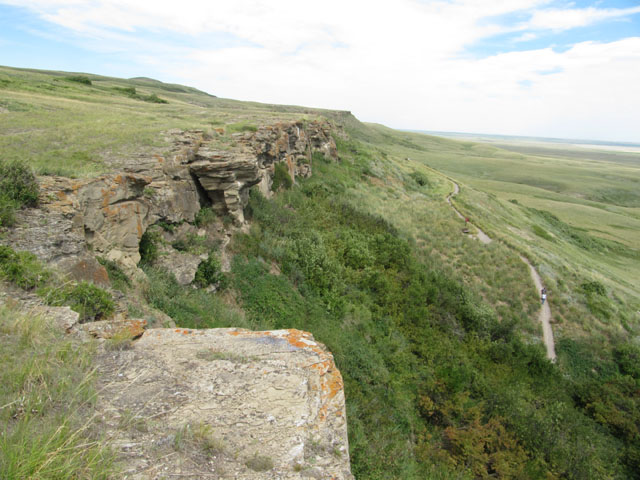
331,383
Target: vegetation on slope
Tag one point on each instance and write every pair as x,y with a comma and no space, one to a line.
434,333
437,385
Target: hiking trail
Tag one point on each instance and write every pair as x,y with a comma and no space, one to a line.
544,315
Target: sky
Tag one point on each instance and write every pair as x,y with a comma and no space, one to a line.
552,68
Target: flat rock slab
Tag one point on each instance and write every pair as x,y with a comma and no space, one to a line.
225,403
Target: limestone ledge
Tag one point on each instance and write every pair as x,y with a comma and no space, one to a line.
274,394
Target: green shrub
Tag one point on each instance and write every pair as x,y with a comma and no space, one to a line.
192,243
22,268
259,463
420,178
18,183
89,300
167,226
627,356
542,233
281,177
153,98
205,216
8,207
241,127
593,288
130,91
319,157
188,307
149,247
78,79
210,273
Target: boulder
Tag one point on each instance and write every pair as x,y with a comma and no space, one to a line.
230,403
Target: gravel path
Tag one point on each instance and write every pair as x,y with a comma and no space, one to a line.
544,316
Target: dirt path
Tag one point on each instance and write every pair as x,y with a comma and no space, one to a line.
480,235
544,316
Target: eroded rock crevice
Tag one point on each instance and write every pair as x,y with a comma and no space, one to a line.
107,215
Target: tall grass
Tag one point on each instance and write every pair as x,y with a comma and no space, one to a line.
48,427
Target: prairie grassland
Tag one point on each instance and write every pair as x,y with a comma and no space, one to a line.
577,220
74,129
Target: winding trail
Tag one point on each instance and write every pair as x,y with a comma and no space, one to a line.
480,235
544,316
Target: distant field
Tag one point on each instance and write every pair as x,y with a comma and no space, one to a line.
574,211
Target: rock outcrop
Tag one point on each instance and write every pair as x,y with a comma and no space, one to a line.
109,214
227,175
225,403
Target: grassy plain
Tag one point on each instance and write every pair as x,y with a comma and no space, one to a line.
69,128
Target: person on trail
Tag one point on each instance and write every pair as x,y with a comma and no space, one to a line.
543,294
466,220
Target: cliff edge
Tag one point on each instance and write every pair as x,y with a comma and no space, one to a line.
225,403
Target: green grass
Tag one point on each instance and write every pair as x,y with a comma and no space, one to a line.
47,425
74,129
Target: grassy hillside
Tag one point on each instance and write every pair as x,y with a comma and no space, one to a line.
436,334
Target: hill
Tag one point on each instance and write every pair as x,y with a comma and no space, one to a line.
436,334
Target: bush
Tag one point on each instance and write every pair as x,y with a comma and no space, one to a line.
281,177
627,356
8,208
117,277
210,273
188,307
191,243
130,91
90,301
259,463
149,250
593,288
420,178
205,216
153,98
78,79
22,268
542,233
241,127
17,182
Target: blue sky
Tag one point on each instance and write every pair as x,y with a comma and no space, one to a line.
524,67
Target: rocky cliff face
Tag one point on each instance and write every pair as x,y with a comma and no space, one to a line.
109,214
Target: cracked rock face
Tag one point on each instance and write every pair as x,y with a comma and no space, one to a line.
225,403
109,214
227,175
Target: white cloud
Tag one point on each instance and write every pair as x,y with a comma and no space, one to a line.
399,63
564,19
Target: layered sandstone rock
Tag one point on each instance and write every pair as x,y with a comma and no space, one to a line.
227,175
109,214
225,403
